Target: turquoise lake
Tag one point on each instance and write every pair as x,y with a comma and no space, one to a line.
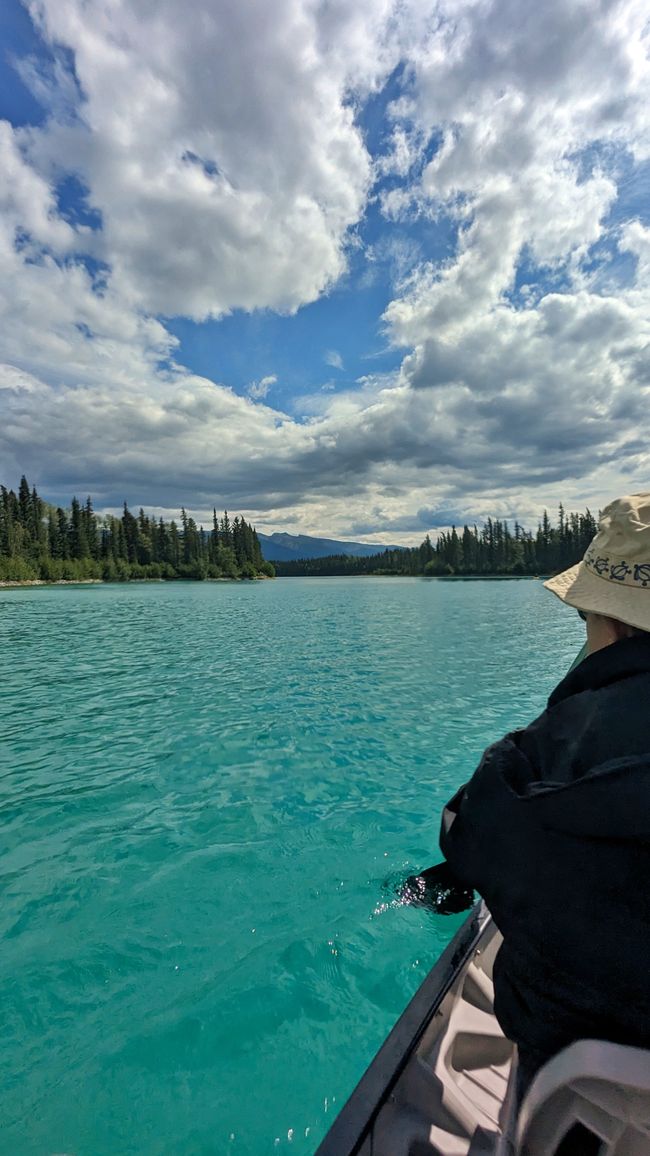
204,787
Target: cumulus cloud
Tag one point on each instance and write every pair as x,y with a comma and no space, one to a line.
222,151
551,383
57,318
27,204
635,239
225,160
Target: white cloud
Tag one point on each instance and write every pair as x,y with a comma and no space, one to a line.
522,110
55,320
259,389
635,239
222,151
224,157
333,358
512,103
28,211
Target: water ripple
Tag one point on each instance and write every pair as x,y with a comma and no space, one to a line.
202,790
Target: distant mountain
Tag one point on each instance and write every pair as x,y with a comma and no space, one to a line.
290,547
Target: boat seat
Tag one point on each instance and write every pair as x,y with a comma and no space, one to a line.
592,1099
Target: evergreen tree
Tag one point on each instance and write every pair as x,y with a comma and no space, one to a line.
90,529
37,540
53,536
144,548
258,558
78,541
8,522
37,525
24,503
131,536
225,531
64,533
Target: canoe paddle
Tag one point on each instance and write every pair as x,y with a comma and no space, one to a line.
436,887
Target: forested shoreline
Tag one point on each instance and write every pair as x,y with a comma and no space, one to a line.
42,542
493,550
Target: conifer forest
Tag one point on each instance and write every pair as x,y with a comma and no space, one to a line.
39,541
492,550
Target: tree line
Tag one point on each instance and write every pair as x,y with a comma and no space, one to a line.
42,541
493,549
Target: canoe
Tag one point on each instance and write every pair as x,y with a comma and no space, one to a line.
439,1081
443,1083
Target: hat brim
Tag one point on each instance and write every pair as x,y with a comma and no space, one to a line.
583,590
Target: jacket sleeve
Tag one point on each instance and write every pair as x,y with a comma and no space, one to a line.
456,837
482,834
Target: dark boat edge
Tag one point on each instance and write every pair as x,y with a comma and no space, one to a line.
355,1120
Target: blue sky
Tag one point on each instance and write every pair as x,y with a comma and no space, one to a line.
355,272
243,348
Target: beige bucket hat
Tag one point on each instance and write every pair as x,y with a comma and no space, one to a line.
614,575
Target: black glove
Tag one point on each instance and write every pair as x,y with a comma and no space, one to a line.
437,888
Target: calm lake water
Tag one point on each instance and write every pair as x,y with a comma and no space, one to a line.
203,790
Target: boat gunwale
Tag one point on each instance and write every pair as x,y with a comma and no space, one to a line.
353,1124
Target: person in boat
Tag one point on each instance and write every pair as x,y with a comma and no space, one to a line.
553,829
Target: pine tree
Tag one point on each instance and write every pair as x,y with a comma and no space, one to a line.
226,531
131,536
78,540
8,522
144,548
53,535
174,547
258,557
24,504
90,529
64,533
37,526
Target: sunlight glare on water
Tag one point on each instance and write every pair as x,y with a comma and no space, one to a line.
204,788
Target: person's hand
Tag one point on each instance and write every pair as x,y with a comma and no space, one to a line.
438,889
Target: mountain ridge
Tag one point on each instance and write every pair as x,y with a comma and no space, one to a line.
283,547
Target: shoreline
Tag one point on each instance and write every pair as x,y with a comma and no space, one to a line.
6,584
432,577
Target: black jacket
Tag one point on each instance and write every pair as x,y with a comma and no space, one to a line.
553,830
